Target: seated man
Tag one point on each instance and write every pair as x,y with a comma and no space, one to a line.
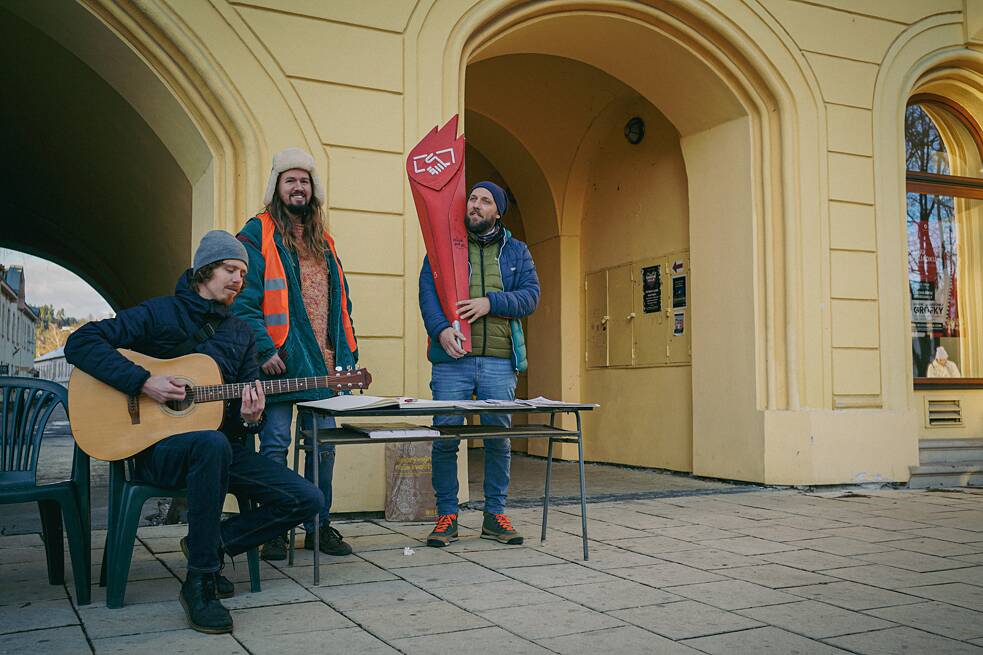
210,463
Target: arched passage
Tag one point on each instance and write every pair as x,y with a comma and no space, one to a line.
148,138
86,181
745,117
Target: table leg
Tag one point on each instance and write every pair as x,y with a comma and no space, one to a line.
583,489
549,473
316,461
297,448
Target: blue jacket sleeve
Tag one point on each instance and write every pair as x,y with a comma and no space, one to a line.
249,303
92,348
248,371
433,315
522,299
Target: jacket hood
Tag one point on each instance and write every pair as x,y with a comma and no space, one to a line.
199,309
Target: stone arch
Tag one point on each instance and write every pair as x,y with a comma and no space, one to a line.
190,113
754,74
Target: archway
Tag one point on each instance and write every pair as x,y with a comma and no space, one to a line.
137,154
563,83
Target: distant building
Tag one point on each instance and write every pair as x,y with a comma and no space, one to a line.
53,366
17,323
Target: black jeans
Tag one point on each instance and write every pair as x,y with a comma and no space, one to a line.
210,466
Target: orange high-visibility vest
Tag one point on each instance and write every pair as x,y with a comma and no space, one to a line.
276,305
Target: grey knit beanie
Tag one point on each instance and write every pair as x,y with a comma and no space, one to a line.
216,246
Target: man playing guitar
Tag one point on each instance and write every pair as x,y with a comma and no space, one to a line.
210,463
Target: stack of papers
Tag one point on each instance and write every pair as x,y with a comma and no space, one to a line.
361,401
389,430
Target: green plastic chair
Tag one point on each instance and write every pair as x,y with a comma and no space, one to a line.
25,408
126,500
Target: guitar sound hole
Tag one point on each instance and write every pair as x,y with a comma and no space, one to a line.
181,405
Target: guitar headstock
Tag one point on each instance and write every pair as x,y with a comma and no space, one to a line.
360,378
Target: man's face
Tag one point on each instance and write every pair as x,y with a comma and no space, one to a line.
225,283
295,190
482,212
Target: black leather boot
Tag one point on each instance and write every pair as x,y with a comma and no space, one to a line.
224,587
204,610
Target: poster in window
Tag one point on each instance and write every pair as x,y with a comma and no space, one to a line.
678,324
678,291
652,289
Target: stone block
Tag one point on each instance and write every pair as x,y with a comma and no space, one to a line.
55,641
371,594
685,619
776,576
175,641
470,642
853,595
617,595
940,618
494,595
733,594
903,640
624,639
666,575
762,640
447,575
558,575
414,619
37,616
815,620
549,619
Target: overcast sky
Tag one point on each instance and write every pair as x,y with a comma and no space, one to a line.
50,284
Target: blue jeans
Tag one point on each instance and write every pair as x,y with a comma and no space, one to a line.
274,439
210,466
487,378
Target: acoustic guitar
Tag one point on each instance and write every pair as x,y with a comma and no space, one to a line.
110,425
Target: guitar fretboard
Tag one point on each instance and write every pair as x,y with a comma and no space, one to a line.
344,381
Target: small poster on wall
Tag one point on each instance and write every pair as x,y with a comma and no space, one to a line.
678,324
652,289
678,291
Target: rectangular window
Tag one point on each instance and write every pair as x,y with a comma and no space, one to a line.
941,231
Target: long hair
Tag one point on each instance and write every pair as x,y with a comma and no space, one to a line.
312,238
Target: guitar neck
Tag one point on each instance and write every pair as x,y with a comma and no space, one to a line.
210,393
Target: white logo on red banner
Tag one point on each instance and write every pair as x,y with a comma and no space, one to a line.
434,163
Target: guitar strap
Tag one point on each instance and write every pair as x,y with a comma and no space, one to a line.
203,334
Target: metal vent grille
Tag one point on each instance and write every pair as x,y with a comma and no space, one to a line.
941,413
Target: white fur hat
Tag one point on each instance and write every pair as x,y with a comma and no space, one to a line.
293,158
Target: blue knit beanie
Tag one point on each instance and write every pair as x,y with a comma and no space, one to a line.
498,193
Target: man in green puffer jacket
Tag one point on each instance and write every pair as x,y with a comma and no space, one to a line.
504,288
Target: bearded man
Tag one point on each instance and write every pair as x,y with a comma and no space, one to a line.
296,301
504,288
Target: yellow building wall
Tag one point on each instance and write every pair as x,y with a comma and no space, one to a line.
784,174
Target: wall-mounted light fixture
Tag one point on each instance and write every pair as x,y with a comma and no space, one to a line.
635,130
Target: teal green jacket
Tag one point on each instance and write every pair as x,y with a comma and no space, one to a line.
300,353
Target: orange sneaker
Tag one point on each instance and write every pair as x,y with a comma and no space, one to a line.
444,532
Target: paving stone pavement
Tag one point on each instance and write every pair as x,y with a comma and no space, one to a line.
770,571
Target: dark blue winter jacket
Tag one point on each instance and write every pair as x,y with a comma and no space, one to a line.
155,328
519,299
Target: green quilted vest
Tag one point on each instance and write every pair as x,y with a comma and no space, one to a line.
491,336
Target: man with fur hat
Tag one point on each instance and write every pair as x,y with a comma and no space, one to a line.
504,289
296,301
209,463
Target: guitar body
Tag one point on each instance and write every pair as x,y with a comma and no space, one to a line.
109,425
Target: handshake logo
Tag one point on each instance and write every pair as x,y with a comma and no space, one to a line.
434,162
